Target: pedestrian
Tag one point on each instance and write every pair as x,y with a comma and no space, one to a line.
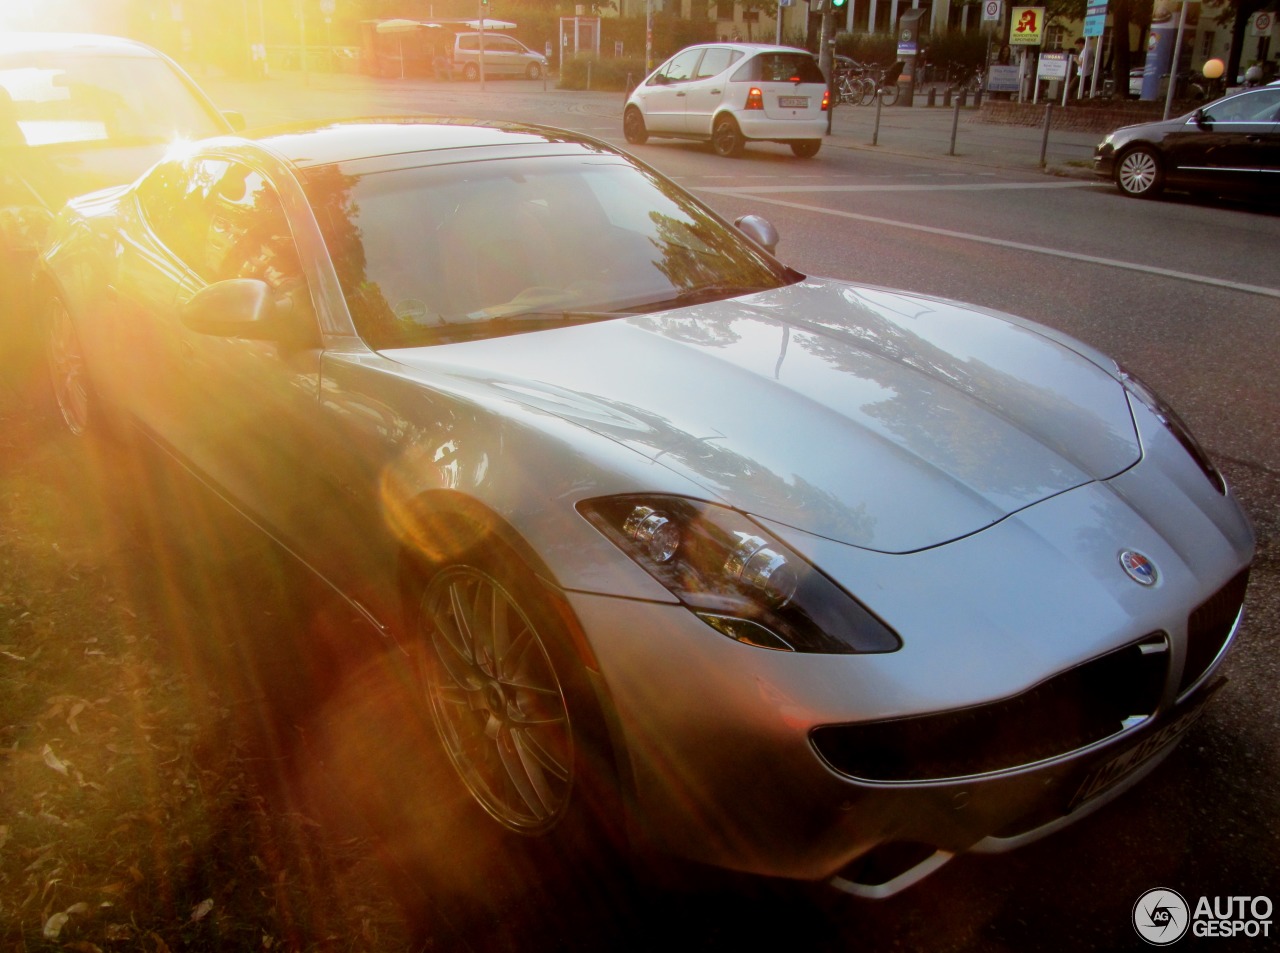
1084,62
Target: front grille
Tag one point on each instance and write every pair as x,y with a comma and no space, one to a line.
1069,711
1209,626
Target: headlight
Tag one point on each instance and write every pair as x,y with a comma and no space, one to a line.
736,577
1169,417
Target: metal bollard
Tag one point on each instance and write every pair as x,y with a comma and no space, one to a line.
875,133
963,99
1044,143
933,95
977,98
588,74
955,122
626,93
946,98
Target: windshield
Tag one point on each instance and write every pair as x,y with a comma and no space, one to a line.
434,254
57,99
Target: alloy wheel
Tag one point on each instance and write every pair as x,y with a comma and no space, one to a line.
497,702
1138,173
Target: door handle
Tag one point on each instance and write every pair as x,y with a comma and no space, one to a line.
715,92
682,94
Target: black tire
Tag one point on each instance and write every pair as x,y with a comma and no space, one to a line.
806,148
633,127
889,94
867,94
72,391
1139,173
726,138
534,71
471,72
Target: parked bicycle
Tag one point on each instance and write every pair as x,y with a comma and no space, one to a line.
862,83
885,85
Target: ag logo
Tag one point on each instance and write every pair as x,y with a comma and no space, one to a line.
1161,916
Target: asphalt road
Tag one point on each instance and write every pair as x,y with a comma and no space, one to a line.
1186,293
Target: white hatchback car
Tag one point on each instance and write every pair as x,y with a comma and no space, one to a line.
730,93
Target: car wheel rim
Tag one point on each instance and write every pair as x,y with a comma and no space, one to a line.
498,705
1137,172
726,139
67,371
633,126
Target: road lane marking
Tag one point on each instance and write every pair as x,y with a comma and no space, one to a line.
1016,246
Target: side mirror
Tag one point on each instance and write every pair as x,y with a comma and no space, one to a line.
1201,120
659,79
236,308
760,230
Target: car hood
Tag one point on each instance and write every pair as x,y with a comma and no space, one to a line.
880,419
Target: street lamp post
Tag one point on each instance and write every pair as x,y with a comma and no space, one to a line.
648,36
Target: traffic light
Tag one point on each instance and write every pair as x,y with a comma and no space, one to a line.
838,4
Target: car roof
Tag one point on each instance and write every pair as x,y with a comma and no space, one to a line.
350,140
96,43
751,47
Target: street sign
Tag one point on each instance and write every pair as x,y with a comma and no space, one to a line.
1053,65
1027,26
991,11
1262,24
1095,18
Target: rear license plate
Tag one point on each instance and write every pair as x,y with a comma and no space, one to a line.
793,102
1114,771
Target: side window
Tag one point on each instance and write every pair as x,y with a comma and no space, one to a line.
175,201
715,61
468,43
506,46
249,234
1251,107
223,220
680,69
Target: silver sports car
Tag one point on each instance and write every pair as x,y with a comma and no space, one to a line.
799,577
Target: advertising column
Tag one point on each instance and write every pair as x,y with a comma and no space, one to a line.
1160,43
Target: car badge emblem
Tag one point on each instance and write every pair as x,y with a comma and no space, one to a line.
1139,568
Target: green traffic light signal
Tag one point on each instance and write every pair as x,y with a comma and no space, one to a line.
838,4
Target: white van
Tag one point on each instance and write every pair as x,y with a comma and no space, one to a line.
503,56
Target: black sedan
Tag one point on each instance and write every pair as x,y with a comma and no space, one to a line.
1230,145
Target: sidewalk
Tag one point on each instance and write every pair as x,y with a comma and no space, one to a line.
926,132
918,131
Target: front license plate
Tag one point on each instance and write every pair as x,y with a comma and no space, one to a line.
793,102
1101,778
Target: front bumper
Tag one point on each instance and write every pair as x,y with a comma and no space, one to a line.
1104,161
717,738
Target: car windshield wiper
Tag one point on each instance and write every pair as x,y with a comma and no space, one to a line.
702,293
521,321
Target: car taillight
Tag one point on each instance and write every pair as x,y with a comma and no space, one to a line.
755,98
826,100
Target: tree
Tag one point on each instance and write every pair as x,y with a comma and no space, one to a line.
1242,11
765,8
